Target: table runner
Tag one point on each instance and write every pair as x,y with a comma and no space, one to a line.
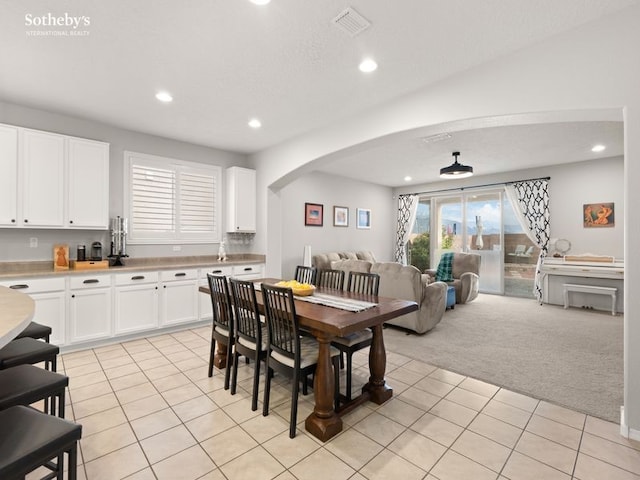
334,301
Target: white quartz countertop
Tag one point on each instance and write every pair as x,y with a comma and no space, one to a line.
16,311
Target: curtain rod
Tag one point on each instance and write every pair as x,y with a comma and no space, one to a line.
476,186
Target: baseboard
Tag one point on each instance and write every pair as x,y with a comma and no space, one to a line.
625,431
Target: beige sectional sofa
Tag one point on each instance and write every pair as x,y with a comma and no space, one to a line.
397,281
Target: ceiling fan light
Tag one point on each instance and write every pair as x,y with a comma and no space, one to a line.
456,170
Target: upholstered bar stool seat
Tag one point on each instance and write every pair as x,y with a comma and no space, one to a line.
31,439
26,384
37,331
28,350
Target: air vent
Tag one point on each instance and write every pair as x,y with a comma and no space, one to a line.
439,137
351,22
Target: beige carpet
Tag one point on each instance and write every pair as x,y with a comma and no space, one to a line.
569,357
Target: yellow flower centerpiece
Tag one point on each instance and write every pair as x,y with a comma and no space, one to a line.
301,289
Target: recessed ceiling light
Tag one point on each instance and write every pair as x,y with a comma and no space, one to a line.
260,2
598,148
368,65
407,178
164,97
255,123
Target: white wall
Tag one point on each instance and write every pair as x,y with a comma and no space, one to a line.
329,191
592,67
15,243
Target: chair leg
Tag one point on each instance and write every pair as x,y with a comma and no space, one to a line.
342,360
227,370
212,354
295,389
73,460
234,372
256,383
267,389
349,367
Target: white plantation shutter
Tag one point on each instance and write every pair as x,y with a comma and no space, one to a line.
171,201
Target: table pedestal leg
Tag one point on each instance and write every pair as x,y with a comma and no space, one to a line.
323,422
220,358
379,392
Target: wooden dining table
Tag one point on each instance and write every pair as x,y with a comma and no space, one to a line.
326,323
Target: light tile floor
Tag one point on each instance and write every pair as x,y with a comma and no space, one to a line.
149,411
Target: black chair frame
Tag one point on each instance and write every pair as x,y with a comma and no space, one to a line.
223,326
330,279
305,274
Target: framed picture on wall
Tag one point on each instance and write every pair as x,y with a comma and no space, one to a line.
598,215
313,214
340,216
363,218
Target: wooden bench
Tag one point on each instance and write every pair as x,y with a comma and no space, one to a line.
572,287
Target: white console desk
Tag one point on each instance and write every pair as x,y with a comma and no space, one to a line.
556,272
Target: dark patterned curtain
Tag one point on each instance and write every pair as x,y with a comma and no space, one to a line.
530,200
407,209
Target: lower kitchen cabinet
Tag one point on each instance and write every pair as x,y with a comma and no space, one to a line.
136,302
89,308
49,295
178,296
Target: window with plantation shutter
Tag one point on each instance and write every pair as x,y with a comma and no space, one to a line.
171,201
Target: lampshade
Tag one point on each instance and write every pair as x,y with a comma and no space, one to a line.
456,170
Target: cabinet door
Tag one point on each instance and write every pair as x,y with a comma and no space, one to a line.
42,179
241,200
51,311
179,302
9,176
88,192
89,314
136,308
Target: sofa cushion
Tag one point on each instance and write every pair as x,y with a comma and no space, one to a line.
352,266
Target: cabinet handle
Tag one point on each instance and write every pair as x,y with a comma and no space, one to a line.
181,274
248,269
13,220
164,286
91,280
70,221
137,277
26,221
19,286
73,296
216,271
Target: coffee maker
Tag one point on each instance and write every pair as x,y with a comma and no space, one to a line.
119,229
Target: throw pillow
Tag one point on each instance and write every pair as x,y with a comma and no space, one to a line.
444,273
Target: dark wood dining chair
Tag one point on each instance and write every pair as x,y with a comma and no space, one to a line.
305,274
250,333
367,284
222,327
328,278
289,353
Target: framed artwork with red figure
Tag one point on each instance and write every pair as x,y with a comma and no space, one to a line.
598,215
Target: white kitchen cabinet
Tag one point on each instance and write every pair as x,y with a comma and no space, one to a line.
88,179
248,272
89,308
206,312
241,200
9,176
178,296
42,169
52,181
136,302
49,295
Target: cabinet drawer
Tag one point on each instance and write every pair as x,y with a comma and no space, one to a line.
35,285
134,278
226,270
254,270
186,274
89,281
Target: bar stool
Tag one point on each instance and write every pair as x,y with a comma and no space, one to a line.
31,439
26,384
28,350
37,331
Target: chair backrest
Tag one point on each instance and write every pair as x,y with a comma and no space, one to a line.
330,279
305,274
365,283
282,324
220,301
247,316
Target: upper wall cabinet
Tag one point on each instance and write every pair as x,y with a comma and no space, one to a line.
52,181
241,200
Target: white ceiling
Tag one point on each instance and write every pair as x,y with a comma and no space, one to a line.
285,63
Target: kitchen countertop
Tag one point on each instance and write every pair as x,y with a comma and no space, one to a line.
45,268
16,311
